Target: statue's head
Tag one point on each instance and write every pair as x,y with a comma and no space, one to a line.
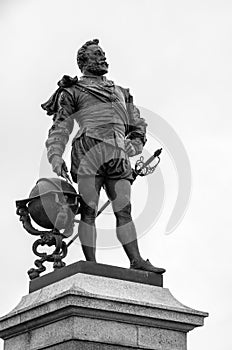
91,58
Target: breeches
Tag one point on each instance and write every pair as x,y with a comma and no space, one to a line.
92,157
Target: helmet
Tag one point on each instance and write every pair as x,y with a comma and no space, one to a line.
53,203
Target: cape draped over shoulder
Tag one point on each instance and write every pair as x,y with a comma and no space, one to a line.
50,106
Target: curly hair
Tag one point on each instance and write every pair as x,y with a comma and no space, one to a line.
81,56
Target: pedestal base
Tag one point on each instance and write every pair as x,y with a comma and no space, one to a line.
85,311
92,268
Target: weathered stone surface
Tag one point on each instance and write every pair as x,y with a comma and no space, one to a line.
106,288
161,339
19,342
99,310
86,345
105,331
53,333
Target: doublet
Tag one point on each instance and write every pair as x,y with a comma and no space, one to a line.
103,111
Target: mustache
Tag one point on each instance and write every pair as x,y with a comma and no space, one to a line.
97,65
102,62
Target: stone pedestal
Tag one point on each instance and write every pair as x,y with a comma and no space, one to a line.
86,311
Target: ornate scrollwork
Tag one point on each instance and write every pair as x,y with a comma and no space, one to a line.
143,169
49,238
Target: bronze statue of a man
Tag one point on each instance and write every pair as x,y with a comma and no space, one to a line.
110,131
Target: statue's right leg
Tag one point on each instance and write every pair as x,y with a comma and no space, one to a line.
89,189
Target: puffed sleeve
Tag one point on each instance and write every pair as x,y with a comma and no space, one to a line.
62,127
137,125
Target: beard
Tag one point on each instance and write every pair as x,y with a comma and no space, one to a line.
97,68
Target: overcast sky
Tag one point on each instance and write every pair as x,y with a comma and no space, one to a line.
176,58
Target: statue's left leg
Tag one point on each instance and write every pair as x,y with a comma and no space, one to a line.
119,192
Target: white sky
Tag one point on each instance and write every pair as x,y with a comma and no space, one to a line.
176,58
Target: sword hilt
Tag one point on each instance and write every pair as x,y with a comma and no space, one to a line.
143,168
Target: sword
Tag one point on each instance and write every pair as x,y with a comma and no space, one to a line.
141,169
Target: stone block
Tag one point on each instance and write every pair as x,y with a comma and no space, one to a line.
86,311
161,339
18,342
54,333
103,331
